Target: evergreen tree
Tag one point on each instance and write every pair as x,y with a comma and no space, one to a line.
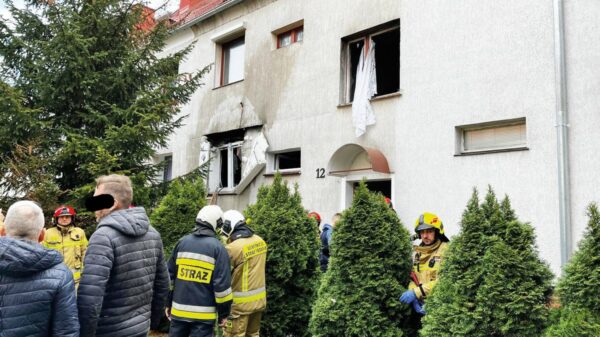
493,282
580,285
92,85
292,258
368,270
176,213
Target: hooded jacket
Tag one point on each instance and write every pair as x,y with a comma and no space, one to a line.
199,270
248,257
124,284
37,293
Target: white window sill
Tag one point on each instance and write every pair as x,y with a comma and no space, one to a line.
374,99
473,153
228,84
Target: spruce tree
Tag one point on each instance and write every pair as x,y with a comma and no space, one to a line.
176,212
292,258
492,282
368,270
91,83
580,284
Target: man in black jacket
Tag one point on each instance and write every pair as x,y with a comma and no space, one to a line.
37,292
199,270
125,282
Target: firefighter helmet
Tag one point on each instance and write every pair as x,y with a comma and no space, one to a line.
231,219
430,221
64,210
210,215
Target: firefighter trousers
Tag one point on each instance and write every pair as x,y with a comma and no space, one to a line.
243,326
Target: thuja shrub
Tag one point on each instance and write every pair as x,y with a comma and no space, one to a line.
176,213
579,286
292,270
493,282
368,269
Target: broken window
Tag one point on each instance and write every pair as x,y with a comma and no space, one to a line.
235,157
386,40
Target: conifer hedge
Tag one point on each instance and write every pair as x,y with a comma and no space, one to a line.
176,213
492,282
579,288
292,270
368,270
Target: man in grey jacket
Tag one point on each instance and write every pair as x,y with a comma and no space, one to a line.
37,293
125,283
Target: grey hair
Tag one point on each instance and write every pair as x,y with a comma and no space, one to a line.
25,220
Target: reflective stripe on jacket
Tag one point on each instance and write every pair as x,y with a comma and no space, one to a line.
201,279
426,265
71,244
248,260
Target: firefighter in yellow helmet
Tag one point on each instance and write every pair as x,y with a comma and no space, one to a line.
427,259
67,239
248,256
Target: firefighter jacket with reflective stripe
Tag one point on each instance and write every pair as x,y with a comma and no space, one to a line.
426,265
248,259
71,243
200,279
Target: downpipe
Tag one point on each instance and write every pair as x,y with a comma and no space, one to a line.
562,133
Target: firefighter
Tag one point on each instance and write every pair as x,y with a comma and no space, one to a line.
248,256
200,279
67,239
426,260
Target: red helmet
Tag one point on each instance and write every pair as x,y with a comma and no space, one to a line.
64,210
315,215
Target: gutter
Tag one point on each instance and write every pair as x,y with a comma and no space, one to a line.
562,133
208,14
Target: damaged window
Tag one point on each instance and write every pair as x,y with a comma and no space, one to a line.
386,41
230,158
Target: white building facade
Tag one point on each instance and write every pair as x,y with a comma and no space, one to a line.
466,98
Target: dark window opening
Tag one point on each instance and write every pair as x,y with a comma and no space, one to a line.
287,160
387,59
379,186
237,165
224,167
386,40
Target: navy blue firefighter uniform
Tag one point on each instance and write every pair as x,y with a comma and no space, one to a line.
201,279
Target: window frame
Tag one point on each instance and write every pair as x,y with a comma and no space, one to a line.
223,46
230,174
462,130
293,36
365,36
273,161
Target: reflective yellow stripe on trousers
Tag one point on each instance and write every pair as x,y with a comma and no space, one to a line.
249,296
193,311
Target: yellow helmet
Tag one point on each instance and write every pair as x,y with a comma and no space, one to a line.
430,221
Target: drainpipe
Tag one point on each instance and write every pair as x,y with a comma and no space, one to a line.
562,128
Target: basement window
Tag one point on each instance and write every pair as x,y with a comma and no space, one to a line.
496,136
287,160
386,40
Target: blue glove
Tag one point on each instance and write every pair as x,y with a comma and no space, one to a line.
418,308
408,297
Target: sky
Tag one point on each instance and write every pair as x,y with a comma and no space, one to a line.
171,6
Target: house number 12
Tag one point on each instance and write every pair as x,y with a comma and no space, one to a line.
320,173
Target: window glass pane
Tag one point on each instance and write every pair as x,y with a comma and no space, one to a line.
300,34
354,51
233,61
285,39
288,160
168,168
495,138
223,156
387,60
